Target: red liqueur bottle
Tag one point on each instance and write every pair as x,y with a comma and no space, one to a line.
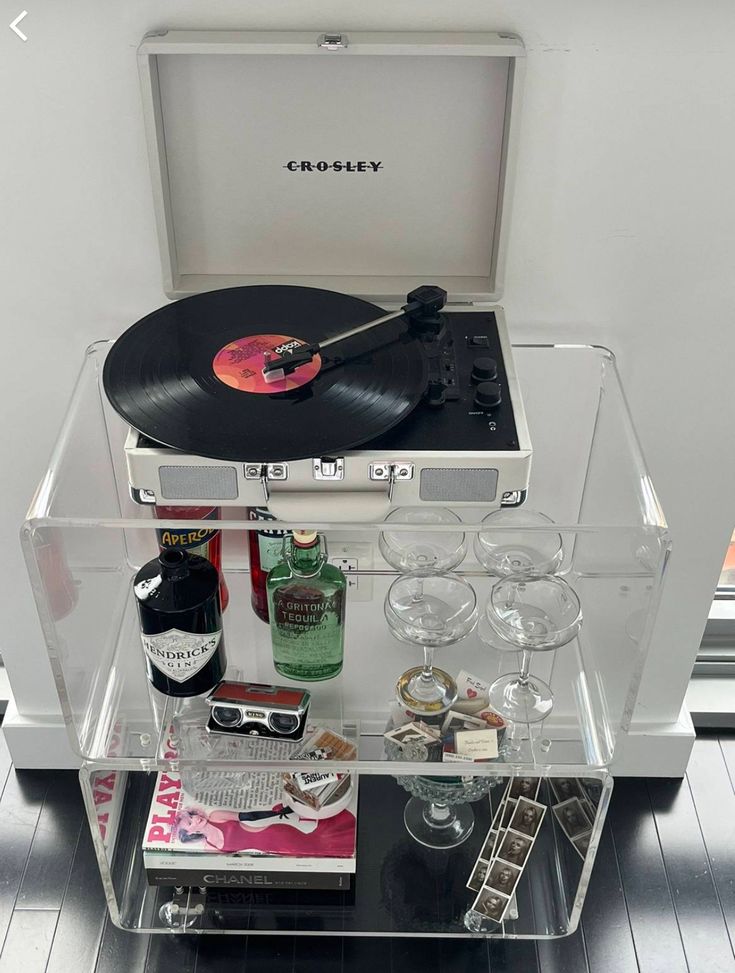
266,550
204,541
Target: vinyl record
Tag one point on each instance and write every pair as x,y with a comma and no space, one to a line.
189,375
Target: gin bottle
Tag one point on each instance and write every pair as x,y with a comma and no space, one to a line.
178,601
306,602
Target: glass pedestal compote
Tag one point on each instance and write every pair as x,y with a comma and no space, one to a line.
438,814
533,613
430,611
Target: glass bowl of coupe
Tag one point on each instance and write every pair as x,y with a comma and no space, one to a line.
530,613
518,542
422,551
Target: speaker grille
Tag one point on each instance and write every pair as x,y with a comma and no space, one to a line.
198,482
458,485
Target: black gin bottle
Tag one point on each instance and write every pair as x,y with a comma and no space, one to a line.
178,601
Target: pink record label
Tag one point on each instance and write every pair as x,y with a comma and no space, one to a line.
240,364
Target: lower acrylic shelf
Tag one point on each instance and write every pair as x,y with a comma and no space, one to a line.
401,887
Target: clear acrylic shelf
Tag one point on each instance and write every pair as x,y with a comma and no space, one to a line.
84,540
400,887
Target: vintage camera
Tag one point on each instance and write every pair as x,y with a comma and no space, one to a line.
257,709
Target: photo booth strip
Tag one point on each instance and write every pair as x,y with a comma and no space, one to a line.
529,826
491,837
499,825
577,826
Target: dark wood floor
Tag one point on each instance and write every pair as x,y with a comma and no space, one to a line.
662,896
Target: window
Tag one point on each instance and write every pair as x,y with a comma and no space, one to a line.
717,653
726,585
711,695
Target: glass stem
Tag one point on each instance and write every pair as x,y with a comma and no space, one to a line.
427,673
418,590
438,815
525,667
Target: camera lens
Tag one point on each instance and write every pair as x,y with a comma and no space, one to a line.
227,716
283,722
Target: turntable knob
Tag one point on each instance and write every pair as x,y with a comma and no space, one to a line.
484,370
487,395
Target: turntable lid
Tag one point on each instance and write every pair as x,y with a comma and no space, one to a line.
362,163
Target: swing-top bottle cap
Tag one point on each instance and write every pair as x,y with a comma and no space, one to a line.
304,538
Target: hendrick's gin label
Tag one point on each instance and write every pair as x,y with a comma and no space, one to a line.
178,601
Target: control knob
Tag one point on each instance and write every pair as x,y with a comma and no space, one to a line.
487,395
484,370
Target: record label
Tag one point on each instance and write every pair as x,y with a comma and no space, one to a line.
240,364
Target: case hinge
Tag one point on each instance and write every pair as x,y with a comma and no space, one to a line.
391,472
388,471
265,472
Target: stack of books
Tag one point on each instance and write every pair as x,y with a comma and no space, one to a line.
246,839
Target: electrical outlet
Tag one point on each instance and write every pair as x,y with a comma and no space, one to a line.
352,559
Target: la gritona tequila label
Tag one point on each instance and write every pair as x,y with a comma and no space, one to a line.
307,631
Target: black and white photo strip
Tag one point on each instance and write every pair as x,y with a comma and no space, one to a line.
506,848
529,786
491,904
479,869
576,816
588,791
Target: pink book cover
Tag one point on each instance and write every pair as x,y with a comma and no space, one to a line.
263,825
108,787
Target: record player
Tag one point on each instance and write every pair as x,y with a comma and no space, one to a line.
284,186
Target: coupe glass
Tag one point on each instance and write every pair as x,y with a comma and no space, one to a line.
518,550
423,551
533,613
431,611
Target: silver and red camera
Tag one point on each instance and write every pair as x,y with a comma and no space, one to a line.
257,709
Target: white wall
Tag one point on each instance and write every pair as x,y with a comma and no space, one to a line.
622,233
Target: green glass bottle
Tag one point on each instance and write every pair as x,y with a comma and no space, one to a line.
306,605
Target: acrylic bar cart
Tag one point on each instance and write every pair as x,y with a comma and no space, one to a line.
85,539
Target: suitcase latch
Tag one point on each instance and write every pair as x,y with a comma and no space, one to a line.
328,468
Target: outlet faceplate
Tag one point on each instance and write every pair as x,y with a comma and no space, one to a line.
352,558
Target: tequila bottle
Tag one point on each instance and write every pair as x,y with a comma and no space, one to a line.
306,603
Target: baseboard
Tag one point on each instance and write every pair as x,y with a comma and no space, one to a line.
655,749
38,744
711,701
